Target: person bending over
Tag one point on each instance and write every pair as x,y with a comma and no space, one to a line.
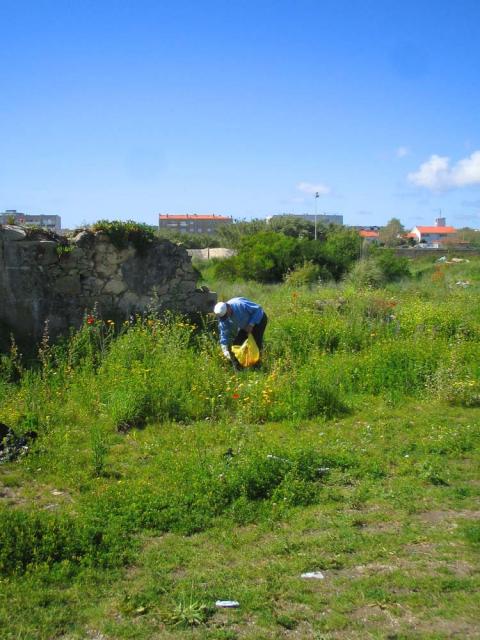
236,319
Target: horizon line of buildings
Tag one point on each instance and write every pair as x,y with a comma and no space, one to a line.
425,236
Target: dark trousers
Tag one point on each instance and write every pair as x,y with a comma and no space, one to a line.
257,332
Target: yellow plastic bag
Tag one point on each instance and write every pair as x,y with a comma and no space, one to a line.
247,353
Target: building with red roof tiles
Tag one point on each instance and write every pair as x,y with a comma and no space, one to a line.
433,236
369,236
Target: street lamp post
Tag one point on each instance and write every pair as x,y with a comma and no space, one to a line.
317,195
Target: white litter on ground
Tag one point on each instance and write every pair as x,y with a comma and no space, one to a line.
227,604
313,575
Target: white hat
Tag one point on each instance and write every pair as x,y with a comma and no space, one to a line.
220,309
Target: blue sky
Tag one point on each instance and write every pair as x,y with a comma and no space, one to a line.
124,109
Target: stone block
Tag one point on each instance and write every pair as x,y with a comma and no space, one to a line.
68,285
84,239
11,233
47,252
115,286
129,300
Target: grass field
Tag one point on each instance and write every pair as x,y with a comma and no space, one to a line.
161,481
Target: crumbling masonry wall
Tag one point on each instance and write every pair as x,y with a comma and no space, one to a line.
44,279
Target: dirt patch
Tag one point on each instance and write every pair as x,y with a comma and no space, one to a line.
11,496
461,629
421,559
390,618
382,527
393,619
360,571
448,517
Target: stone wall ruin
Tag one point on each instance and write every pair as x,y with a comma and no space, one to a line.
45,278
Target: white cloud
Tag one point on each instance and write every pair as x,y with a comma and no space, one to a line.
312,189
401,152
467,171
433,174
437,175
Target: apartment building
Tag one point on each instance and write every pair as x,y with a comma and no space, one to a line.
192,222
322,218
50,222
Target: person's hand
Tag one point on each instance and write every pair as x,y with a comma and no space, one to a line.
226,354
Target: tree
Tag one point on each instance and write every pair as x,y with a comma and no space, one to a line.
341,249
231,235
391,234
293,226
265,257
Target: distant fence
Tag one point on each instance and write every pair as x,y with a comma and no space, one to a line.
407,252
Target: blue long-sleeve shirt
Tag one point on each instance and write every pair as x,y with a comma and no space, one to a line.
244,312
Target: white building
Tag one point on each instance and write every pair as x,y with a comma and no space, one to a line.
433,237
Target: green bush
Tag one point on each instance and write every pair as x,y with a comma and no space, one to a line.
379,267
264,257
123,233
306,274
29,539
340,250
366,273
392,267
267,256
464,393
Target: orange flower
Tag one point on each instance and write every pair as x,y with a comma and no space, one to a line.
236,396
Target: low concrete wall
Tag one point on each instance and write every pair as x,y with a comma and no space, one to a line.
435,253
208,254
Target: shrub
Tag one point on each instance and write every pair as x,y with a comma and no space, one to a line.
403,367
366,273
123,233
264,257
392,267
464,393
341,249
306,274
29,539
313,395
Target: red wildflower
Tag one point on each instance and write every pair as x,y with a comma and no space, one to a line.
90,320
236,396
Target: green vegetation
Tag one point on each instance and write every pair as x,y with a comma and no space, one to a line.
268,256
162,481
123,233
391,234
379,267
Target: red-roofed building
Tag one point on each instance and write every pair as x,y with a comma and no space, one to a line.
192,222
369,236
434,236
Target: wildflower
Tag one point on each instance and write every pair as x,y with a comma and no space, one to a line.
90,320
236,396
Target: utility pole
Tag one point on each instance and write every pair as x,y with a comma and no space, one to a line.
317,195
